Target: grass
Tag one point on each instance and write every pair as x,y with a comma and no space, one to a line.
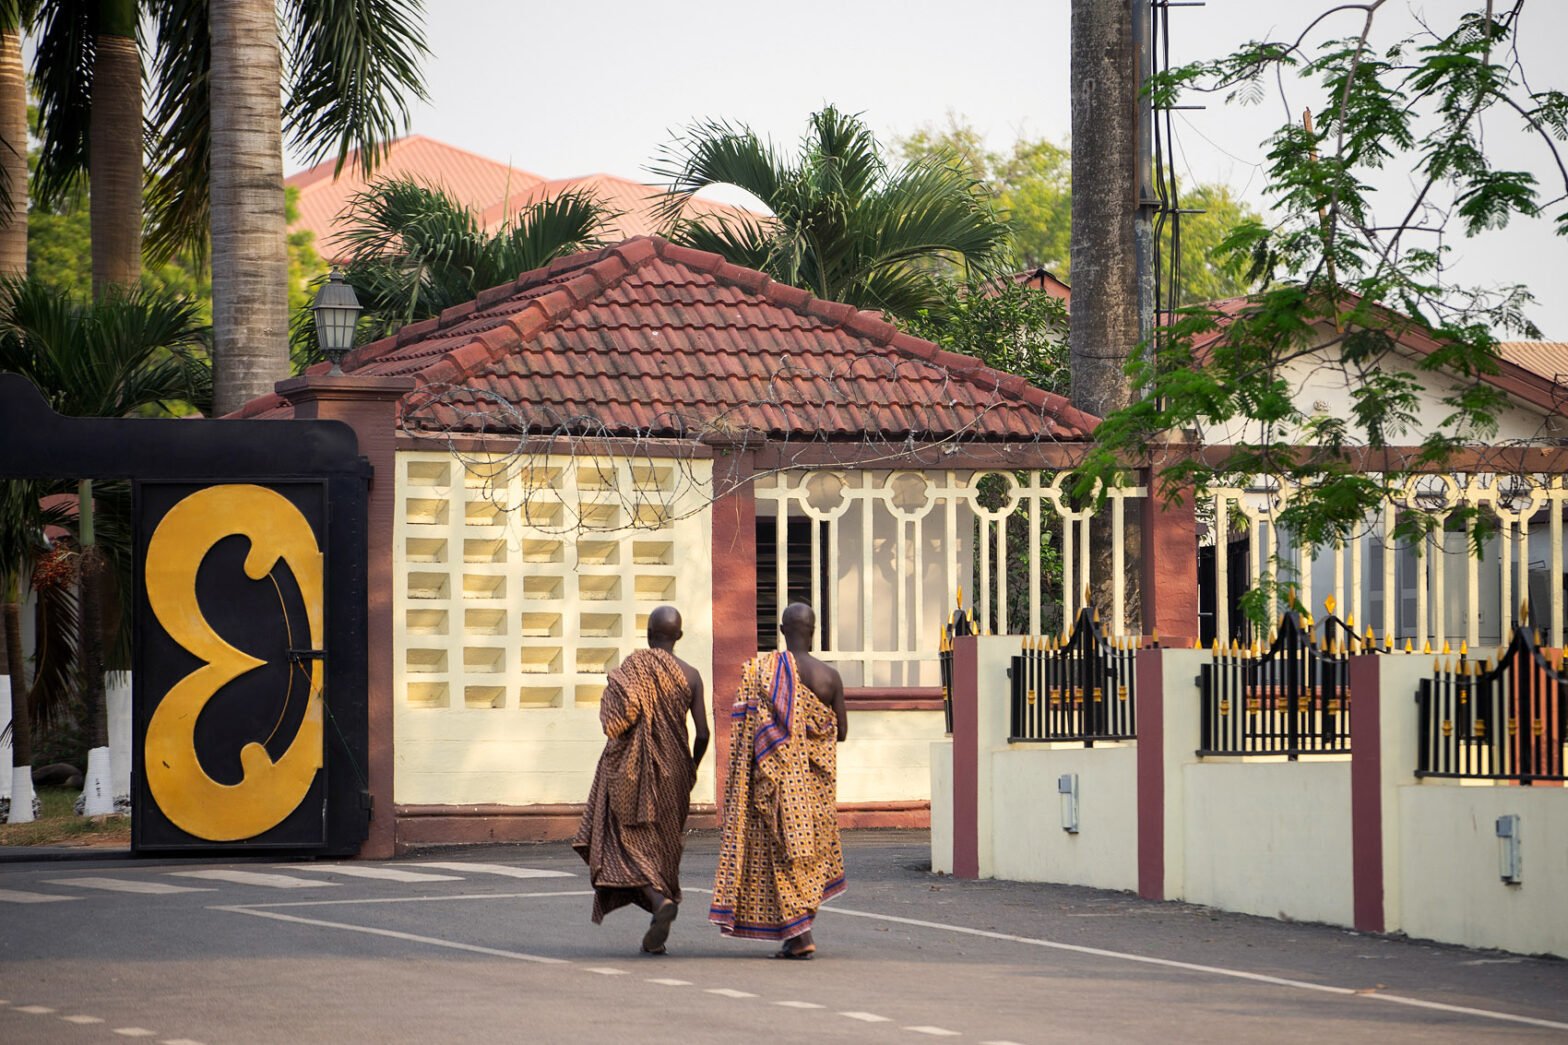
58,824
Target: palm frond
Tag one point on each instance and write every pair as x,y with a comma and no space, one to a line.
62,79
179,130
352,69
716,153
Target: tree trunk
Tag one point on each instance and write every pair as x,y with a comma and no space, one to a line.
21,695
90,608
114,156
250,268
1104,329
13,153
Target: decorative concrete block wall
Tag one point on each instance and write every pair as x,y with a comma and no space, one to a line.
520,585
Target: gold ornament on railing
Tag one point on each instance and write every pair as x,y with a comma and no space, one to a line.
1448,728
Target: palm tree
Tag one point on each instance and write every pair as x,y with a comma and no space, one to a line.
846,225
118,356
414,250
13,141
219,67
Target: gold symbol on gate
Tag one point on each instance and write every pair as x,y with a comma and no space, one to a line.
268,790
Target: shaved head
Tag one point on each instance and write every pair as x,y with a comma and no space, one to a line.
664,626
798,622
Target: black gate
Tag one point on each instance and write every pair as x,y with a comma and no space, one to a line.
249,703
1502,721
1080,688
1291,699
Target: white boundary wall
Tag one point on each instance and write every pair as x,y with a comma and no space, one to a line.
887,757
1271,839
1031,844
942,806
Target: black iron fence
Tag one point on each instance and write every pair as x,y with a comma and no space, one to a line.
1077,688
1502,721
960,622
1291,699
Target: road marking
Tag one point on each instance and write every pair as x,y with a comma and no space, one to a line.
798,1004
261,878
604,970
36,1010
81,1019
935,1032
666,982
999,1043
417,899
1211,970
500,869
179,1041
395,935
22,896
389,874
135,1032
866,1017
126,885
730,992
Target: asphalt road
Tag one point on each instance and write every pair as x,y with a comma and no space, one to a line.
495,944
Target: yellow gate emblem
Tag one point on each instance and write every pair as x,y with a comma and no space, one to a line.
268,791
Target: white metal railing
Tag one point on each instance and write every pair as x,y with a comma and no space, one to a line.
1433,590
895,547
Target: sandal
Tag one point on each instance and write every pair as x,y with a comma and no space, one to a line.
659,927
802,955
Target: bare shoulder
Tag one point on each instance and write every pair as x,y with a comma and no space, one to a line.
693,676
823,678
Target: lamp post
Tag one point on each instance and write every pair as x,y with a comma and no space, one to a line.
337,311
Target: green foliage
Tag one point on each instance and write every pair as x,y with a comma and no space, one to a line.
1031,186
414,250
351,68
847,225
1345,283
1003,323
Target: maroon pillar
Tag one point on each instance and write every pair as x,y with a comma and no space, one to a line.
1150,669
369,406
1170,568
734,593
1366,794
966,758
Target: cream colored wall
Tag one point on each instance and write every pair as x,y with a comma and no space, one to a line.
942,806
1269,838
518,585
887,757
1030,844
1318,378
1450,886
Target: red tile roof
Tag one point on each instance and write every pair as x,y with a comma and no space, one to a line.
1546,358
493,191
471,179
1046,280
649,339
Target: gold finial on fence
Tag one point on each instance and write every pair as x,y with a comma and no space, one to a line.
1446,649
1087,589
1437,665
1411,649
1350,620
1196,644
1388,641
960,596
1524,610
1464,647
1329,602
1426,646
1216,648
1257,647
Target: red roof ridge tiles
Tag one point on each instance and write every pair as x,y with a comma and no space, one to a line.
562,311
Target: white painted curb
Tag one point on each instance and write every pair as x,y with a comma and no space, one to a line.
5,746
21,795
117,695
97,792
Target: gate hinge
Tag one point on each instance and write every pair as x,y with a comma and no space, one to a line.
307,654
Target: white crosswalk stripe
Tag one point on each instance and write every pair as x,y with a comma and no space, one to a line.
23,896
127,885
935,1032
386,874
504,870
866,1017
261,878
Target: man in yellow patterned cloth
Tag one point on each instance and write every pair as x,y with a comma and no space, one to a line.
633,828
779,855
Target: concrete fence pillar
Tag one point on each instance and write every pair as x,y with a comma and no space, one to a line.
1384,744
1169,725
980,729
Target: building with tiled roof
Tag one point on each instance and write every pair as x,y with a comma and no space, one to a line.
650,424
493,191
1548,359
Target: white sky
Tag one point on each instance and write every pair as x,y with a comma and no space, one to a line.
573,88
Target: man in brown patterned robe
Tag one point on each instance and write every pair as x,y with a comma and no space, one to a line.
632,831
779,852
